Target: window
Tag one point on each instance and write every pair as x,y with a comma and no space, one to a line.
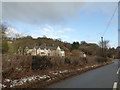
42,53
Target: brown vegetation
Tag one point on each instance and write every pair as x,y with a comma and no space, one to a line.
12,64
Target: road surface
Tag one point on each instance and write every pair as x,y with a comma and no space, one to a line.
102,77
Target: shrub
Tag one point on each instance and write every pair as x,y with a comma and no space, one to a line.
67,61
101,59
75,62
40,63
7,73
15,62
83,59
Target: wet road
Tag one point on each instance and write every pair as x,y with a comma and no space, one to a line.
102,77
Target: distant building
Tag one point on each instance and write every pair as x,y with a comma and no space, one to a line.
82,54
45,51
118,48
9,41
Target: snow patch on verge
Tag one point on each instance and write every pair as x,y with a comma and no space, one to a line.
52,75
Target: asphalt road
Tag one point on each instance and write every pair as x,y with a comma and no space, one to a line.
102,77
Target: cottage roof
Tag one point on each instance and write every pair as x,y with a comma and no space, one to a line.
46,47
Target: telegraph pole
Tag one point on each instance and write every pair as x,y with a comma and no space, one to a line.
102,46
102,41
118,51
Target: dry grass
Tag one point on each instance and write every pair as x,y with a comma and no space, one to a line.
19,66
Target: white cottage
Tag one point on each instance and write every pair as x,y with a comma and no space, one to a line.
45,51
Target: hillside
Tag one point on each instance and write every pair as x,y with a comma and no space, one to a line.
31,42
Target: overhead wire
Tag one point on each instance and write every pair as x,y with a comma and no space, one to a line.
110,20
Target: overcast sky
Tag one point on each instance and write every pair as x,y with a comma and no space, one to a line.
80,21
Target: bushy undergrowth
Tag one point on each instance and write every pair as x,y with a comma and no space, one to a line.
40,63
15,63
22,65
101,59
67,61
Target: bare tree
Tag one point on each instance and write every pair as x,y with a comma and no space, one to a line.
104,43
17,35
104,46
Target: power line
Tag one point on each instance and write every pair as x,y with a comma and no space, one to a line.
110,21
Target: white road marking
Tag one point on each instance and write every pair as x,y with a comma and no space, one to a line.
115,86
118,70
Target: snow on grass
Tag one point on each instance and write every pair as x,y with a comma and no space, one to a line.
7,80
21,81
52,75
91,66
58,72
55,73
65,71
2,85
26,79
80,69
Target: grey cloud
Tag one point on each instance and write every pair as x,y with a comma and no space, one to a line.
39,12
106,7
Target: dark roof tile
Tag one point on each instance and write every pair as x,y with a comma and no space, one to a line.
46,47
